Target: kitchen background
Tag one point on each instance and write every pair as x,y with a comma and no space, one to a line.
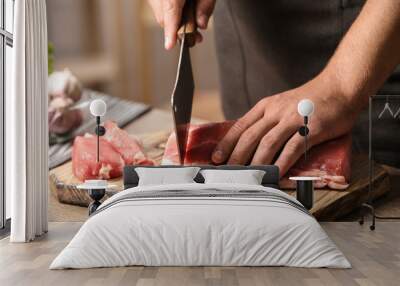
117,47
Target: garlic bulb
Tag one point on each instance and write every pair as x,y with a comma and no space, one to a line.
64,84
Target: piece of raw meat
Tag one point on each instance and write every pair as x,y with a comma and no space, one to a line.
330,161
202,141
117,149
129,148
84,159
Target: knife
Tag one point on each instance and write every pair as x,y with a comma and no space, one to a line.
182,95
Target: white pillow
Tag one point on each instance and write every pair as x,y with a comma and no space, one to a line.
248,177
164,176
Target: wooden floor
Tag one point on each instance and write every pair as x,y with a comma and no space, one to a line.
375,257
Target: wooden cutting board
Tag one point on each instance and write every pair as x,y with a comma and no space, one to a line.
328,204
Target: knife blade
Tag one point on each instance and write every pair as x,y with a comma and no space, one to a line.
182,95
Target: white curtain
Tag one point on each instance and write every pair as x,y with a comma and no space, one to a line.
26,123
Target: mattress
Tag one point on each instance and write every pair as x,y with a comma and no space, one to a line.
201,225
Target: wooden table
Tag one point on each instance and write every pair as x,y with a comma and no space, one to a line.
154,127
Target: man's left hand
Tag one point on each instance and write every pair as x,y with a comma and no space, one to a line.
272,126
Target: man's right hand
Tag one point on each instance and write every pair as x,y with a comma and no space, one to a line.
168,14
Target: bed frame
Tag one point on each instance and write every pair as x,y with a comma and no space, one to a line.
131,179
270,179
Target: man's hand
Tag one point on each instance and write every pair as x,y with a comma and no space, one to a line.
272,126
168,14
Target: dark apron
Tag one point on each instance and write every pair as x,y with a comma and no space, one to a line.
267,47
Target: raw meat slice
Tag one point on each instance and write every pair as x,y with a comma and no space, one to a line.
117,149
129,148
201,143
84,165
329,160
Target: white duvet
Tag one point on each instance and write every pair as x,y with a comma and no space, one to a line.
185,230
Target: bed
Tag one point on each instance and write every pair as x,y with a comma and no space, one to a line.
201,224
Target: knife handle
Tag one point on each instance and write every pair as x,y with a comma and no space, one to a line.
188,25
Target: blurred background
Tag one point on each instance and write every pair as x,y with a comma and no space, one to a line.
117,47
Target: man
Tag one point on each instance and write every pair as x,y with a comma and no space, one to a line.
274,53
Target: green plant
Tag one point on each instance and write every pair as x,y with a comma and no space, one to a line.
50,50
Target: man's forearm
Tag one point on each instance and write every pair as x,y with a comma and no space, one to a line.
368,53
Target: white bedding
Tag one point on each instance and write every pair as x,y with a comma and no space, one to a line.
267,229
